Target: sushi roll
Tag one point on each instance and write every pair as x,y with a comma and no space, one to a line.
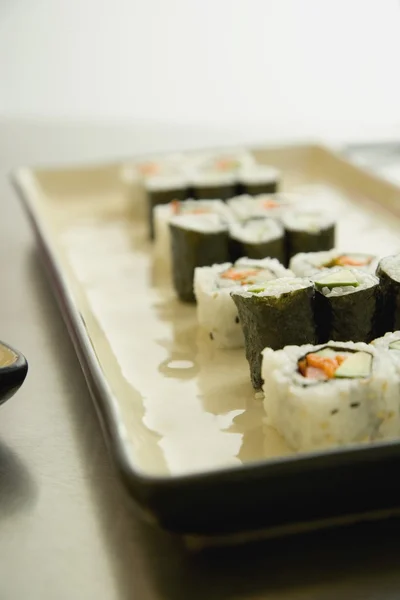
135,173
163,214
390,343
334,394
346,305
310,231
259,179
196,241
257,238
161,189
216,311
275,314
388,272
306,264
246,207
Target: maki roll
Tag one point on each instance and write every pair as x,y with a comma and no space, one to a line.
213,184
246,207
347,305
257,238
164,213
161,189
216,311
334,394
259,179
196,241
305,264
134,175
310,231
275,314
388,272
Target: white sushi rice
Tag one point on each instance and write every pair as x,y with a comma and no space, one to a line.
365,280
203,223
170,164
162,215
166,182
391,266
225,160
306,264
246,207
383,344
277,287
259,174
256,231
271,264
216,311
312,414
311,221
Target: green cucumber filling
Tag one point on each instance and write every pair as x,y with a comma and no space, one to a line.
342,278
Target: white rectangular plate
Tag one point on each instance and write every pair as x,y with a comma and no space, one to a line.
174,408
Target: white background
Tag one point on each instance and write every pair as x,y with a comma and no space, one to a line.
257,68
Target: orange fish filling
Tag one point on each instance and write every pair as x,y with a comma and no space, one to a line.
149,168
351,262
176,206
227,164
315,366
241,276
270,204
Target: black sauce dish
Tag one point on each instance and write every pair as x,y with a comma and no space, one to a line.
13,370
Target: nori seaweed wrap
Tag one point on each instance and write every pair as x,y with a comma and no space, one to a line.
258,179
213,184
196,241
308,232
388,272
276,314
346,305
257,238
164,189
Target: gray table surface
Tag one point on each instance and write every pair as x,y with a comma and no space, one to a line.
67,528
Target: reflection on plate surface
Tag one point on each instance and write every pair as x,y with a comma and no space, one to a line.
194,402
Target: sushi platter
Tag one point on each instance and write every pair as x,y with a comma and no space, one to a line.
237,317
